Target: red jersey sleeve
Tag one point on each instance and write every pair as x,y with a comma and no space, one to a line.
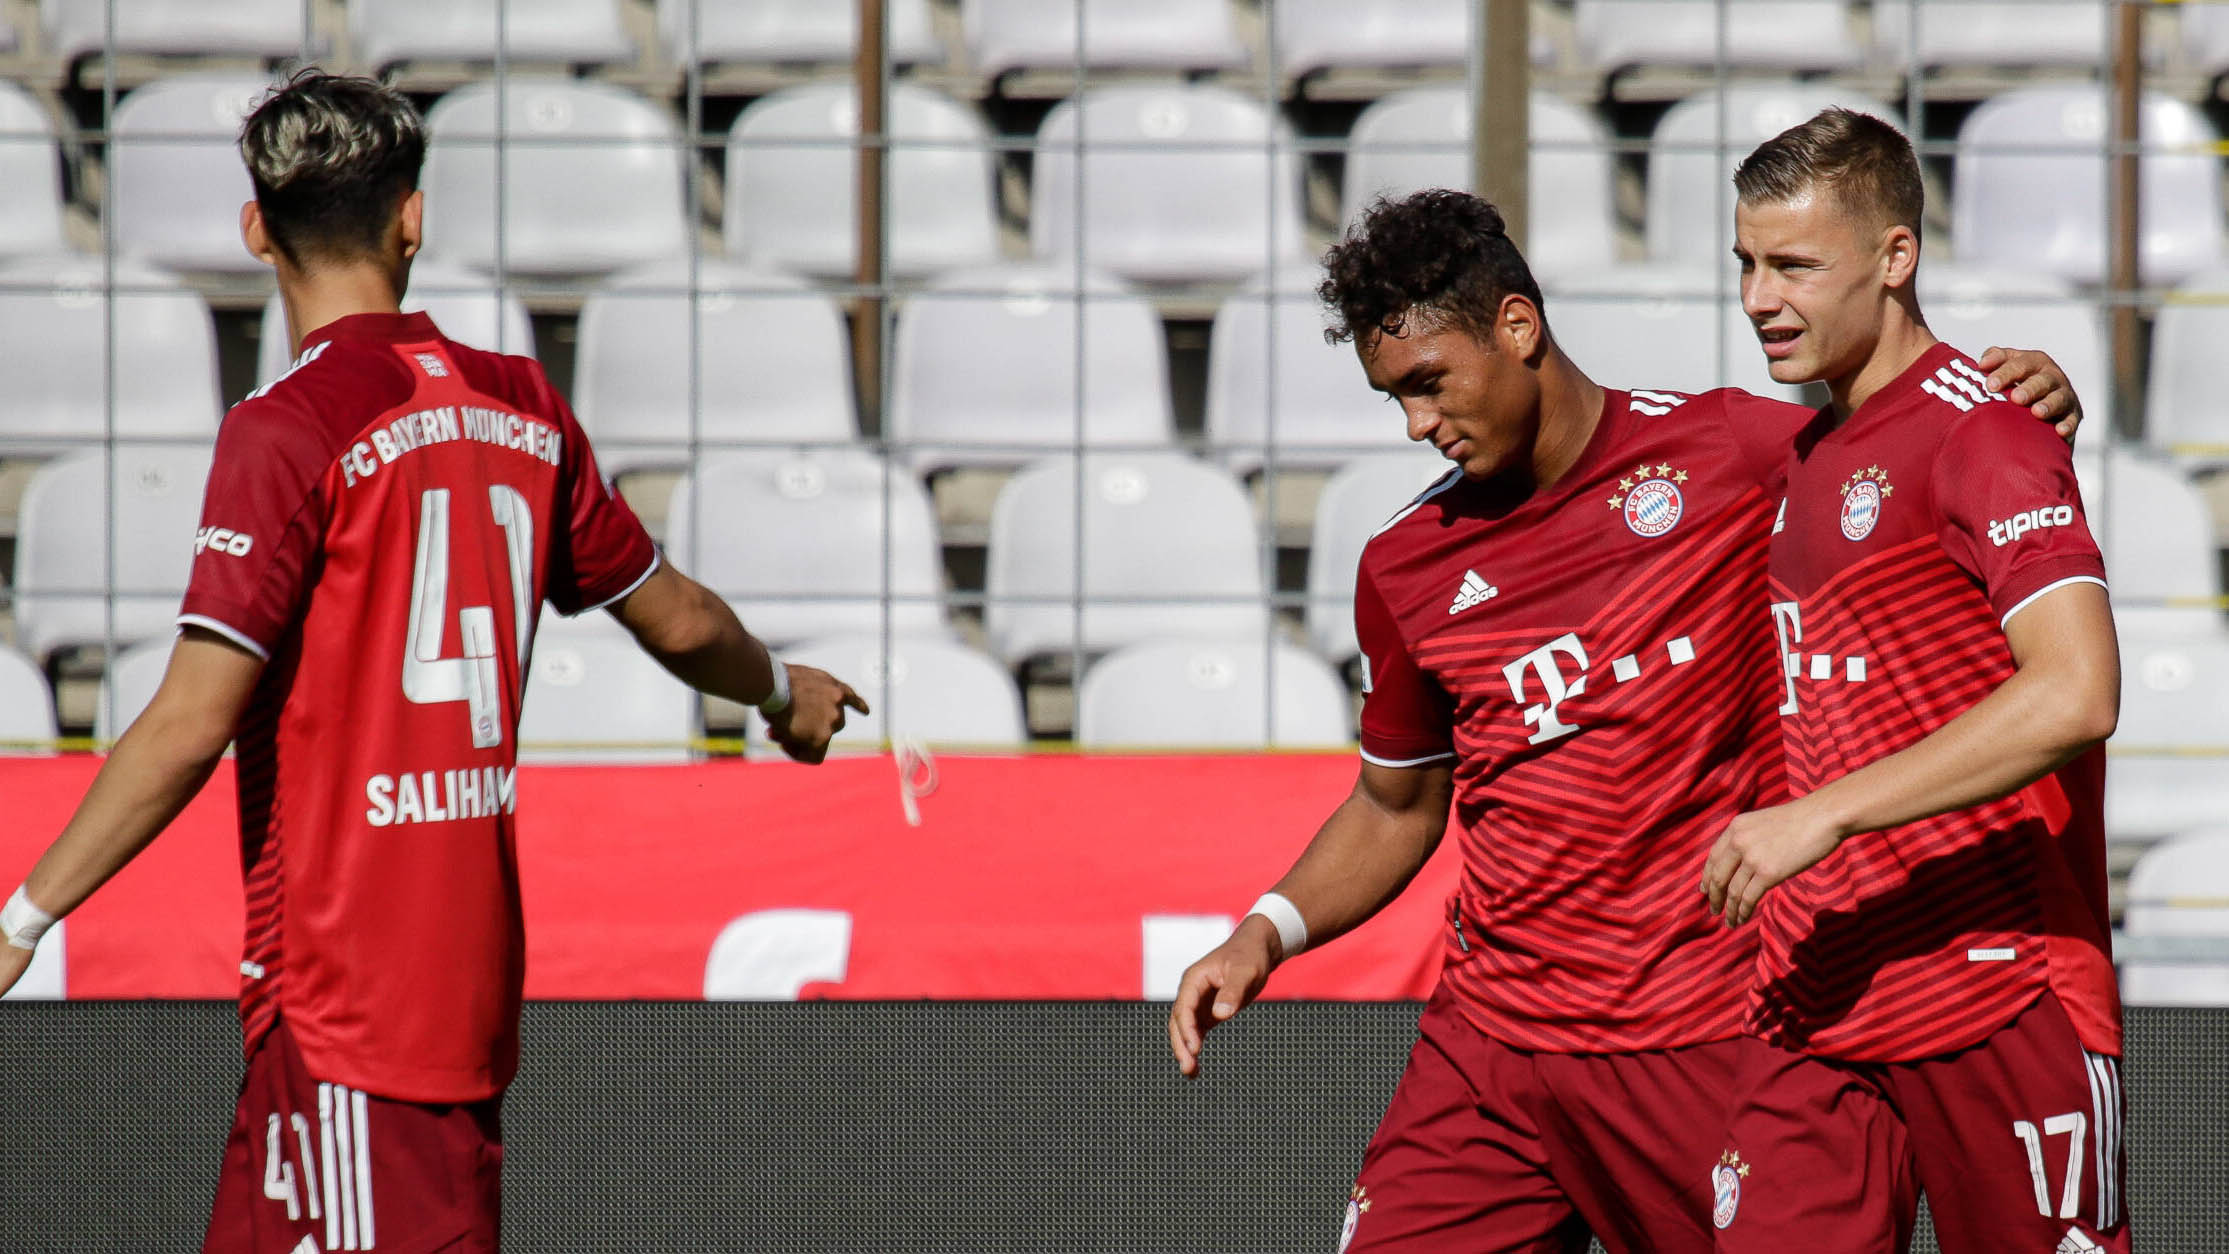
605,552
262,514
2007,507
1764,430
1407,719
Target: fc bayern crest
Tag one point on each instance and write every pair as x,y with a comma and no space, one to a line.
1862,498
1725,1188
1651,499
1358,1201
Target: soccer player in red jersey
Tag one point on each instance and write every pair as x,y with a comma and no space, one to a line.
382,525
1935,992
1566,640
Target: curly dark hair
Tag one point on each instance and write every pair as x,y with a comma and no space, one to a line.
1443,256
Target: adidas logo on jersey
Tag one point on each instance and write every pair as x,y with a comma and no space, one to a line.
1473,593
2075,1242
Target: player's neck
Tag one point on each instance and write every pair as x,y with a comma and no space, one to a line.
1570,410
1904,340
318,298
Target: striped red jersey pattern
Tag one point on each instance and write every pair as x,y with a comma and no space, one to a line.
1597,662
1913,531
382,525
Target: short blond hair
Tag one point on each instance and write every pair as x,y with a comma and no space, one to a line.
1863,162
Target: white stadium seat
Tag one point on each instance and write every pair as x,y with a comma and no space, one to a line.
30,175
1991,32
594,696
2179,888
772,364
1273,383
2151,523
789,30
1356,502
174,161
262,28
1672,325
2019,208
796,543
65,533
947,409
1974,309
128,683
388,31
26,707
1691,170
793,177
933,691
592,178
2169,773
2188,401
1004,35
1168,548
2206,36
1178,183
1420,138
55,315
1780,34
1221,694
466,304
1310,35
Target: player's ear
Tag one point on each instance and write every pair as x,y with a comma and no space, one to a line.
1899,256
1519,322
256,236
413,222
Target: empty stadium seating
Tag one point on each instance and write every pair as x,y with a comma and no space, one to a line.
1004,35
264,28
2030,190
830,572
66,532
30,175
1167,547
1309,35
1674,326
2179,888
1356,501
1277,391
1991,32
1691,178
591,178
793,175
1166,183
934,691
128,683
467,306
178,181
788,30
2206,36
1782,34
1974,309
2153,528
2169,773
1229,694
991,365
1421,138
772,364
594,695
26,706
2188,410
388,31
54,377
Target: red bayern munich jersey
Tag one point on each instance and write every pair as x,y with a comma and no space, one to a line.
1913,532
382,525
1597,661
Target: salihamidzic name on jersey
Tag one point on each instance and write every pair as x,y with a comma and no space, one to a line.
444,423
475,792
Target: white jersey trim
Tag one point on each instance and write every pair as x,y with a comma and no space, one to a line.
1375,760
1447,481
309,355
229,632
2030,599
656,560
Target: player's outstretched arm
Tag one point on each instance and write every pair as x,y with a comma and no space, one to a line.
1361,858
695,635
2064,698
2031,377
156,768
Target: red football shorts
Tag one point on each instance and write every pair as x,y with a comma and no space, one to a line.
1493,1150
2015,1140
313,1167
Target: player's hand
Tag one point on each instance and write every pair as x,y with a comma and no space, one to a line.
1759,850
815,713
1219,986
13,963
2030,377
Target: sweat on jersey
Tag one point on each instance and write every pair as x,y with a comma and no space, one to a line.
1913,532
1597,662
382,525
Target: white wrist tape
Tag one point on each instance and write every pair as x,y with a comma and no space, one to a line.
23,923
1292,930
777,700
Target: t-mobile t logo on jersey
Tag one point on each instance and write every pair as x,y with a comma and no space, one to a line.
1787,623
1542,663
2006,531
